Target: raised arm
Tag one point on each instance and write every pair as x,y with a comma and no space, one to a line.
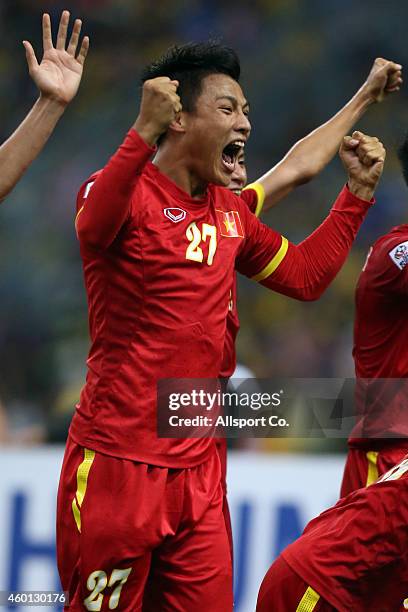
104,203
310,155
304,271
57,77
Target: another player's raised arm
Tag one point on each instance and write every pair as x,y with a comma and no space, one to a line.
304,271
104,208
311,154
57,77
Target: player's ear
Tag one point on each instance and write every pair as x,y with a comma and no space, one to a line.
179,123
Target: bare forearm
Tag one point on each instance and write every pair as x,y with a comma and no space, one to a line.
311,154
316,150
24,145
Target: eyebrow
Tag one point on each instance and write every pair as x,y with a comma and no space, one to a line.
233,100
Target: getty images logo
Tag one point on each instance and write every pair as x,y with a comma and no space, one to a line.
175,214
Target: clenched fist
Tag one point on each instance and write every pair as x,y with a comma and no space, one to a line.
363,157
385,77
159,107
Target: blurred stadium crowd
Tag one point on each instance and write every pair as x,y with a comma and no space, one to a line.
301,62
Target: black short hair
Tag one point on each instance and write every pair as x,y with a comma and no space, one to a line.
403,157
189,64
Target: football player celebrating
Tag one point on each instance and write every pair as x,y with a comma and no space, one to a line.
139,516
302,163
57,77
380,438
353,556
305,160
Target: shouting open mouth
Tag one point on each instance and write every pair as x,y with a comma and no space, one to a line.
230,154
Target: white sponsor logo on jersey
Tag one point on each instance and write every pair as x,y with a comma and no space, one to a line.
399,255
175,214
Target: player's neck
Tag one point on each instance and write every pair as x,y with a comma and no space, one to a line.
176,169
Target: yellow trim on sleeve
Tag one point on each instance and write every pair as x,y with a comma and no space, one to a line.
372,471
308,601
274,263
82,482
260,194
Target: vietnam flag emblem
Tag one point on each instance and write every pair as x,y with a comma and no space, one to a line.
229,224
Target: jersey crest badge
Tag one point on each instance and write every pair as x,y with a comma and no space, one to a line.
399,255
229,224
175,214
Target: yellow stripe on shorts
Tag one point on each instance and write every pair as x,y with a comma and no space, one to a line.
308,601
372,472
82,482
274,263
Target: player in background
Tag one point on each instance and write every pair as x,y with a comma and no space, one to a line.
57,77
353,557
380,438
305,160
140,517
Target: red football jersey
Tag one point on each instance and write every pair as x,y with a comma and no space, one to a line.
381,340
158,269
253,195
355,555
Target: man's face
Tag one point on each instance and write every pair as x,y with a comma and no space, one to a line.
239,176
216,131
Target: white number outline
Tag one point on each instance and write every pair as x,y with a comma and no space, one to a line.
194,252
97,583
121,576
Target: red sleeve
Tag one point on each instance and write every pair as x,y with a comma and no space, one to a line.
104,203
302,271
